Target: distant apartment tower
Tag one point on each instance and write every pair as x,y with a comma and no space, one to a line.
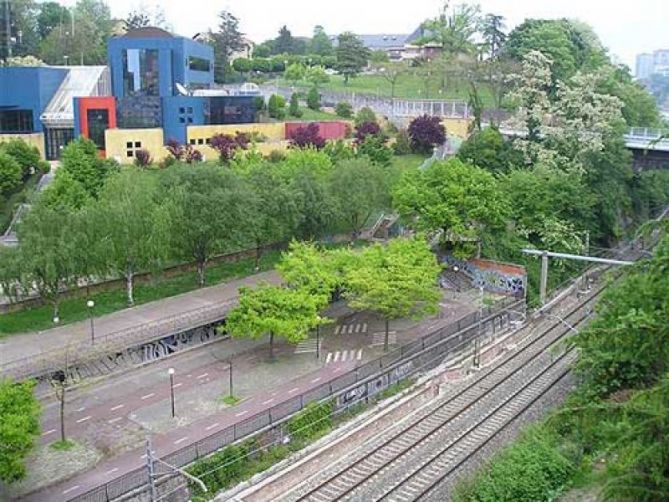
649,63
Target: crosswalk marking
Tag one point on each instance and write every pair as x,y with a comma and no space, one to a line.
380,338
343,356
349,329
306,347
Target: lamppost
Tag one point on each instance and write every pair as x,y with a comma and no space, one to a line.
90,304
56,319
230,366
318,342
477,341
170,372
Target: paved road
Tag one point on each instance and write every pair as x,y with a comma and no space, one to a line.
39,345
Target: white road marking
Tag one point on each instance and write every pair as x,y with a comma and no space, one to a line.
84,419
337,330
212,426
178,384
337,369
327,360
70,489
352,355
48,432
294,389
148,396
357,328
242,413
336,356
203,375
181,440
359,354
143,456
117,407
315,380
112,471
114,420
364,327
81,409
268,401
350,329
343,356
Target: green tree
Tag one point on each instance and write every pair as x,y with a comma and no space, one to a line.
133,226
26,155
395,281
80,160
11,272
48,252
51,16
276,107
392,72
207,213
294,107
359,189
65,191
352,56
295,72
242,65
274,311
316,208
10,173
22,28
320,43
307,267
226,41
488,150
317,76
314,99
19,428
454,198
492,29
284,43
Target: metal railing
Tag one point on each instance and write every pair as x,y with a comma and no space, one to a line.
426,348
117,341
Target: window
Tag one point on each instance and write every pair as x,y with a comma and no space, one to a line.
193,142
198,64
190,110
98,123
16,121
141,72
132,147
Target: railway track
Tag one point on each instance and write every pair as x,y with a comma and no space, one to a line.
359,480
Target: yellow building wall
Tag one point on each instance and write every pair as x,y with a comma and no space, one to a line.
457,127
121,142
34,139
275,131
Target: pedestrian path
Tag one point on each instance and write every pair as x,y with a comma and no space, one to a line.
379,339
307,346
341,356
351,328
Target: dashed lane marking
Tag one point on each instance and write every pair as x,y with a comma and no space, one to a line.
212,426
242,413
48,432
148,396
113,420
203,375
65,492
294,389
112,471
181,440
84,419
268,401
81,409
117,407
178,384
315,380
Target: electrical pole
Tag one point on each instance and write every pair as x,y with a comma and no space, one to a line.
544,278
151,468
8,28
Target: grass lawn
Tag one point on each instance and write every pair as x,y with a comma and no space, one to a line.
404,162
74,309
407,86
309,114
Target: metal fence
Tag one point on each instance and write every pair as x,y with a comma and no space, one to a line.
117,341
425,351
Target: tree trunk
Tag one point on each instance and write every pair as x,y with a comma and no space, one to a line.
385,342
56,310
200,273
129,280
271,346
258,256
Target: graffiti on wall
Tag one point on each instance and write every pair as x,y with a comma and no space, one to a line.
492,276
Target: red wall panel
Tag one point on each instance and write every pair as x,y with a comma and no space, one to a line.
327,130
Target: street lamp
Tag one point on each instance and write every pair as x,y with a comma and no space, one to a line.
66,58
230,366
56,319
90,304
170,372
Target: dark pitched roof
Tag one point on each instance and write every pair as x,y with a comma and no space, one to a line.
148,32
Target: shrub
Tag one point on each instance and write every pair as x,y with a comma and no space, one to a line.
365,114
294,108
276,107
375,148
426,132
312,421
226,145
27,156
10,173
366,129
143,158
402,144
314,99
308,136
344,110
80,159
167,162
338,150
276,156
183,153
259,103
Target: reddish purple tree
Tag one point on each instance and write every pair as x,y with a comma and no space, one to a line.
143,158
308,136
175,149
183,153
366,129
226,145
426,132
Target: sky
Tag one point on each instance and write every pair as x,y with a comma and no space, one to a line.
626,27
